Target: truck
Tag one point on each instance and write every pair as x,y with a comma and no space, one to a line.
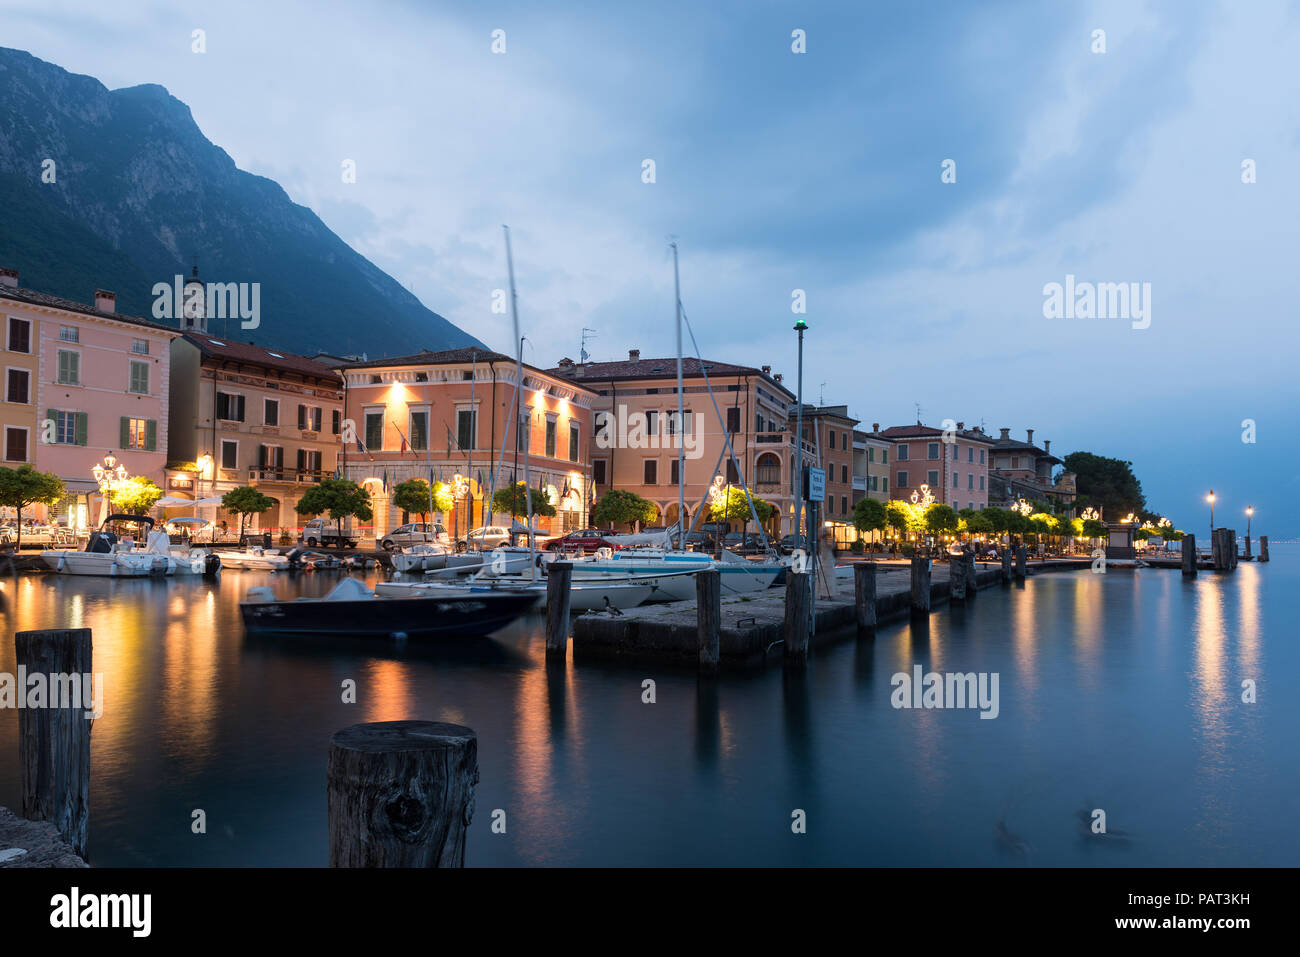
323,531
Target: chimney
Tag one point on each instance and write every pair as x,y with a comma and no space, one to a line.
960,426
9,277
778,377
1006,435
105,301
767,370
1030,433
566,363
875,426
633,355
1047,446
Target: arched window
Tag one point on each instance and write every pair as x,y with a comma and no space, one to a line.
768,469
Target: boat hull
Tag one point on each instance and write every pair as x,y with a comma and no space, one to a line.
107,564
418,617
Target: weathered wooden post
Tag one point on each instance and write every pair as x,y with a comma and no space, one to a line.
972,583
708,617
1006,565
1216,545
1020,563
920,585
957,579
1189,556
54,738
798,605
864,595
401,794
1263,548
559,575
1246,554
1233,554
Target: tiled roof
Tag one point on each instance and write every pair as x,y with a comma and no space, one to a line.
426,358
692,368
919,431
219,348
35,298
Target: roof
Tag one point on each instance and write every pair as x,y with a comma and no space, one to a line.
830,411
692,368
425,357
920,431
35,298
1016,445
217,347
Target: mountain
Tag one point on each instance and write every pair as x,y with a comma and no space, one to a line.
139,191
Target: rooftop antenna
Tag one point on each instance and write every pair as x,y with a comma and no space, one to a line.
821,394
583,355
918,413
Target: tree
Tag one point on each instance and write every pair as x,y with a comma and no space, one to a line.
511,499
135,496
1092,528
898,516
620,507
870,515
413,495
979,523
444,499
1106,483
25,486
733,505
940,518
245,501
340,497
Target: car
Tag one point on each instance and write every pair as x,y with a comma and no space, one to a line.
588,539
751,544
414,533
790,543
488,537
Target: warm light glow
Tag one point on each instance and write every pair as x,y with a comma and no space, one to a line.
1250,510
1021,506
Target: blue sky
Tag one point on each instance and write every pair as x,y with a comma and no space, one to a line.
818,171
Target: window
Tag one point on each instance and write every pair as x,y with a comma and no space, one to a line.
981,456
981,483
844,475
884,456
1015,461
733,477
830,437
955,480
970,480
229,454
18,386
309,418
971,506
69,367
69,427
844,505
573,441
15,443
139,434
884,484
230,407
733,419
871,453
20,340
376,379
524,434
550,438
139,378
902,454
932,478
270,461
598,472
419,430
769,470
337,416
955,452
830,504
902,480
140,346
651,423
374,431
466,428
309,462
270,411
650,475
932,450
69,334
970,453
875,482
674,476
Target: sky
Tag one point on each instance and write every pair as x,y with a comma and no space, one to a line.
820,171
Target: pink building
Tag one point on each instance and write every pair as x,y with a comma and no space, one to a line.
955,465
81,383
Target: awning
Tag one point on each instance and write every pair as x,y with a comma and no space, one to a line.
80,486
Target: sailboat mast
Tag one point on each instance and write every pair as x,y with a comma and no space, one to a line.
519,385
681,425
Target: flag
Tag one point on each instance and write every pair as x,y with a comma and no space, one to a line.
385,481
451,439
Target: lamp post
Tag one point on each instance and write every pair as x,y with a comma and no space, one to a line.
1250,511
108,476
1210,498
800,327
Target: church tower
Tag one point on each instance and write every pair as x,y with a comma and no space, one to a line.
193,304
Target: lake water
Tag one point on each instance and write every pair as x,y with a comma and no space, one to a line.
1120,691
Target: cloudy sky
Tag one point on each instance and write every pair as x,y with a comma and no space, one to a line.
819,171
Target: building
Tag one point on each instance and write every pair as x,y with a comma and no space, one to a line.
952,465
244,415
1021,470
82,383
638,439
829,428
450,417
871,465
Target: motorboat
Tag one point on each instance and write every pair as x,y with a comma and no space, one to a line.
673,572
112,551
256,558
351,608
424,556
584,596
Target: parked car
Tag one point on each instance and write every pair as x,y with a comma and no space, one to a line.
324,531
751,544
790,543
414,533
589,539
487,537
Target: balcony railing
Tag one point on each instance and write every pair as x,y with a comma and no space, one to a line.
295,476
859,483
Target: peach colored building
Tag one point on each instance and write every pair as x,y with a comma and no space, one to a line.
638,452
450,416
956,471
82,382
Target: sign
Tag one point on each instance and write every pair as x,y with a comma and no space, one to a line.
815,485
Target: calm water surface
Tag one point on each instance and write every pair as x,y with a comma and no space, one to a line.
1120,691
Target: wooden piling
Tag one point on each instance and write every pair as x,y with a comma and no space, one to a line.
920,585
864,594
1263,548
1021,571
708,617
957,579
972,586
1233,554
54,741
1189,556
1216,545
798,605
401,794
1006,565
559,577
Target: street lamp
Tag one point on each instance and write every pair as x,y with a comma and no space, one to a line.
1250,511
1210,498
800,327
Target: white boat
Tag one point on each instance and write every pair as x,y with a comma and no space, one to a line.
586,596
425,556
112,552
673,572
256,558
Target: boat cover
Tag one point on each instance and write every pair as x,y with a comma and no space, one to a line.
350,589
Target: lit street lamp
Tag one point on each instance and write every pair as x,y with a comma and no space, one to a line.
1250,511
800,327
1210,498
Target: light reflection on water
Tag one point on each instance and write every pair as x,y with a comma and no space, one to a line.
1120,691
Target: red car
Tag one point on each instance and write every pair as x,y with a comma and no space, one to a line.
589,539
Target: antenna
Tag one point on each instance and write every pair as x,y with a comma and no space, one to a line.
821,394
583,355
918,413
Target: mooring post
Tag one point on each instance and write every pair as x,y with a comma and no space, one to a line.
864,594
54,739
708,618
798,605
1232,548
1263,548
920,585
1246,554
972,583
401,794
1189,556
559,576
957,579
1020,563
1006,565
1216,546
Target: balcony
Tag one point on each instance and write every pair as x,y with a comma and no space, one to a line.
859,483
286,476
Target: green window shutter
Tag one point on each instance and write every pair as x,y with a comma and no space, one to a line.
151,435
125,431
82,426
